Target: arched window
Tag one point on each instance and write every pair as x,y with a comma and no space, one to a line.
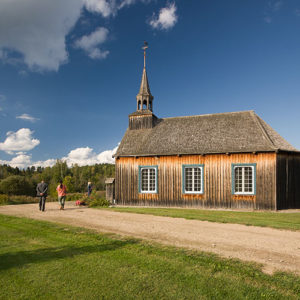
139,105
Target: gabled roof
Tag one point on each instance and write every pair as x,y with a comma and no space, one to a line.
204,134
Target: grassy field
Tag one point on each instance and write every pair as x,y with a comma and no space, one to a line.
40,260
279,220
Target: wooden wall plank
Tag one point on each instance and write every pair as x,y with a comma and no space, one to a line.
217,181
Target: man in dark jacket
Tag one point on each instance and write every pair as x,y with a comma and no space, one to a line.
41,191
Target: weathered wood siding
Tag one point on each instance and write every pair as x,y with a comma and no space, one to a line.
217,181
110,192
142,122
288,180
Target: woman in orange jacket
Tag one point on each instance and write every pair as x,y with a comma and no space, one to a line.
62,193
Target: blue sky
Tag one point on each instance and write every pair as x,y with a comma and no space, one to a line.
70,70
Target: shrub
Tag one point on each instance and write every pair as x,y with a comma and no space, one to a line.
97,199
20,199
3,199
17,185
75,196
94,202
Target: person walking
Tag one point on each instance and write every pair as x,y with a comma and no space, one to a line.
89,188
41,190
62,193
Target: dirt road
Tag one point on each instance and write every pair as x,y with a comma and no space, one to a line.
275,249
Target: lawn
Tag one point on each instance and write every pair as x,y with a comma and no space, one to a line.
41,260
279,220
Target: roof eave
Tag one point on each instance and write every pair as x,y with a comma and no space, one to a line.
204,153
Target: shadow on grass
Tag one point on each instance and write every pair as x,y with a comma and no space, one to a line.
21,258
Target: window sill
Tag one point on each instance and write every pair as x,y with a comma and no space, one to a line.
193,193
243,194
154,192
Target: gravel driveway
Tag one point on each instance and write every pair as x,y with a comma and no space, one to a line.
275,249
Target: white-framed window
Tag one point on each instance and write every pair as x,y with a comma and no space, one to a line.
244,179
192,179
148,179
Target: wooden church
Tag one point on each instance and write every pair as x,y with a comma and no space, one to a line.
224,160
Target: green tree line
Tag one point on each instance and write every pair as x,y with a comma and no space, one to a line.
15,181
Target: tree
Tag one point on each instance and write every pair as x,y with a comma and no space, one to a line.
75,177
70,184
17,185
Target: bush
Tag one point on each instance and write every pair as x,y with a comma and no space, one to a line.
98,202
97,199
3,199
17,185
19,199
75,196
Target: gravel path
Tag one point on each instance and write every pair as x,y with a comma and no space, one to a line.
275,249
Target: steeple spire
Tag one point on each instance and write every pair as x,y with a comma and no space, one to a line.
144,48
144,97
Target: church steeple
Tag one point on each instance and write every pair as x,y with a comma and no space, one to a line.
144,98
143,117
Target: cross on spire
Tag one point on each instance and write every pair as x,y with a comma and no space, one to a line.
144,48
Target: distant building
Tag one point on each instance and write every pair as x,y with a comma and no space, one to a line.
226,160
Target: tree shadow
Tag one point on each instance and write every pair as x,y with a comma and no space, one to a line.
21,258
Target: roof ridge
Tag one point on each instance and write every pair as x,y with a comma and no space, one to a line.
263,130
226,113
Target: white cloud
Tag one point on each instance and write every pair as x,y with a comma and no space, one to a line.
90,43
106,8
166,19
86,156
126,3
109,7
106,156
46,163
27,117
21,140
21,161
81,156
273,6
35,30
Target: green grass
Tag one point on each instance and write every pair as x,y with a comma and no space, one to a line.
290,221
40,260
